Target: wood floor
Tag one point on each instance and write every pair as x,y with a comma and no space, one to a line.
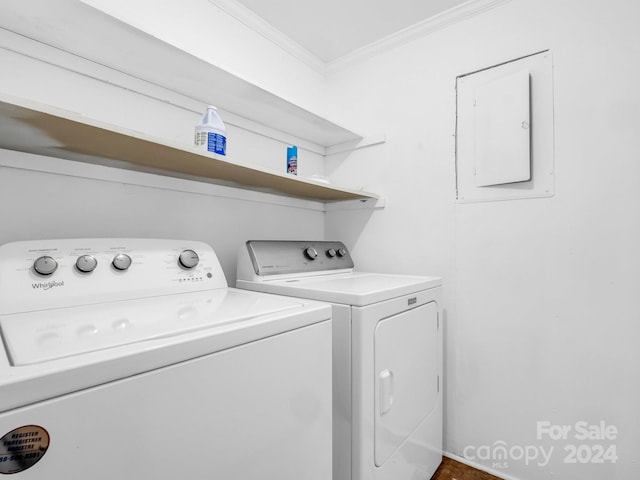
452,470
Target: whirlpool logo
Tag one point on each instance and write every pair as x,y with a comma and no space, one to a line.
47,285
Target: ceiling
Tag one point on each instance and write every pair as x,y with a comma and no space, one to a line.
331,29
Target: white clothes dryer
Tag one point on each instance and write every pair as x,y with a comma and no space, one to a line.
132,359
387,354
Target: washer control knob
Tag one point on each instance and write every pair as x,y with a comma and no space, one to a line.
121,261
45,265
311,253
188,259
86,263
331,253
342,252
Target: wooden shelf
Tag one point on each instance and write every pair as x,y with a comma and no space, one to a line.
33,128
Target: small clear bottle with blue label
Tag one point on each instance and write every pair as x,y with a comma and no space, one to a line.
292,160
210,133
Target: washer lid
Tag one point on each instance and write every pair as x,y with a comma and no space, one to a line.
354,288
41,336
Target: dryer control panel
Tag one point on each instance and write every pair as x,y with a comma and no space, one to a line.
45,274
284,257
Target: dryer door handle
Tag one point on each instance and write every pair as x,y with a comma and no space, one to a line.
386,391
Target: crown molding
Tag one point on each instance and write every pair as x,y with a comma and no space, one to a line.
421,29
268,31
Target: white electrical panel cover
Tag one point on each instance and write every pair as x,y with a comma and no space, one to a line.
504,133
502,153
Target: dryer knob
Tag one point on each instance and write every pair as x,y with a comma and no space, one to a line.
45,265
188,259
86,263
121,261
311,253
342,252
331,253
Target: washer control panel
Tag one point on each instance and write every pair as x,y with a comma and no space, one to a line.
37,275
283,257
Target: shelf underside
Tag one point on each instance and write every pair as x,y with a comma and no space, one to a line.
102,38
45,131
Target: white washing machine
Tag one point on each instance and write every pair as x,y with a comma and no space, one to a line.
132,359
387,341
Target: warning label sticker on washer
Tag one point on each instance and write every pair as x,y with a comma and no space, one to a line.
22,448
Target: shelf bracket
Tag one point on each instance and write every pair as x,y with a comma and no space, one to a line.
369,141
363,204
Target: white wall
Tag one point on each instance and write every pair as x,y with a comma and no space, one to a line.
541,304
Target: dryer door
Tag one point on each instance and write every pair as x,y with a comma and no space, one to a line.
406,369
